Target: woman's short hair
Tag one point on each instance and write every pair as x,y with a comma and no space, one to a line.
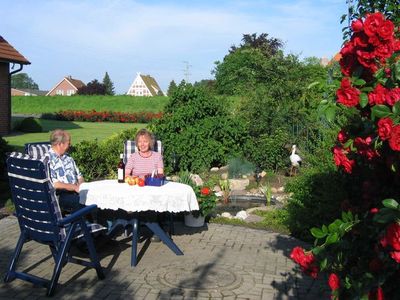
144,132
59,136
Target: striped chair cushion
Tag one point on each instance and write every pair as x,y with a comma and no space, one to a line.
130,147
93,227
54,199
37,150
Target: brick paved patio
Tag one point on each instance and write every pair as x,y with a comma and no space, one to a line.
220,262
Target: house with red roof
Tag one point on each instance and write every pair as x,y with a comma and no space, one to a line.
66,87
9,56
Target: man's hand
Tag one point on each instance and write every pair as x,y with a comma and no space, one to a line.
67,186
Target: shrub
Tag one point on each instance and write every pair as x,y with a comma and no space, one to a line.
317,194
197,128
98,160
268,151
89,157
4,148
30,125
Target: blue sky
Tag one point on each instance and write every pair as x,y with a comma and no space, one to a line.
86,38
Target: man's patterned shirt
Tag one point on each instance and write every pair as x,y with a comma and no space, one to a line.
63,168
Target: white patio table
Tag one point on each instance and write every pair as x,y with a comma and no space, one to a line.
171,197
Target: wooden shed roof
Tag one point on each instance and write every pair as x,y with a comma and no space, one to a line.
9,54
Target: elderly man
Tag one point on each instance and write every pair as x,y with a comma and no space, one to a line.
64,173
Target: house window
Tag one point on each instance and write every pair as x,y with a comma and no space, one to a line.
60,92
70,92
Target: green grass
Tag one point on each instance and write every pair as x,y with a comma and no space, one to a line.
79,131
43,104
274,220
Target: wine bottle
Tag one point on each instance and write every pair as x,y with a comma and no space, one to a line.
121,169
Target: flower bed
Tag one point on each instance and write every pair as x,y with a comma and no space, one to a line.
107,116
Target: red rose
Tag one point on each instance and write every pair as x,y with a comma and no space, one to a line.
385,128
393,96
360,40
357,25
306,261
348,95
395,255
342,137
342,160
374,210
205,191
334,282
385,31
396,45
388,72
378,95
367,59
376,294
394,140
372,23
383,51
348,59
364,147
393,236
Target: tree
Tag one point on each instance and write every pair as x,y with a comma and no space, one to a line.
208,84
239,72
108,84
194,119
268,47
171,88
92,88
245,66
23,81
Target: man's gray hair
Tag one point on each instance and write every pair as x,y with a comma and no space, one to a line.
59,136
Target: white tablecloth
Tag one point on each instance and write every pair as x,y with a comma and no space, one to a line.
109,194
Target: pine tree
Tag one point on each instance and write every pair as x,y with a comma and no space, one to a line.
108,84
172,87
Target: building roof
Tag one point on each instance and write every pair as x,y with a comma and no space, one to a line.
75,82
151,84
32,91
9,54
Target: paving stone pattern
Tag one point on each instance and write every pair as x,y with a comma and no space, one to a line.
219,262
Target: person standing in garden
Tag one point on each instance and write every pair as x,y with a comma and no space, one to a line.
64,174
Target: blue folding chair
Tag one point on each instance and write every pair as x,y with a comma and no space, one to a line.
37,149
40,220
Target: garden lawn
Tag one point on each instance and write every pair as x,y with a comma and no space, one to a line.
53,104
273,220
79,131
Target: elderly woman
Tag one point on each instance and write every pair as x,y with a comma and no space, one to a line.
145,160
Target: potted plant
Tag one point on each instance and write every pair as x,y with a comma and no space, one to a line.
206,198
207,202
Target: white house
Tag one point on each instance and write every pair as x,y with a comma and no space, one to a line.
144,85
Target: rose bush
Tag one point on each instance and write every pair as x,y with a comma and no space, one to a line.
361,250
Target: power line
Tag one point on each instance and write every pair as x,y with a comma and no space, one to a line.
186,70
